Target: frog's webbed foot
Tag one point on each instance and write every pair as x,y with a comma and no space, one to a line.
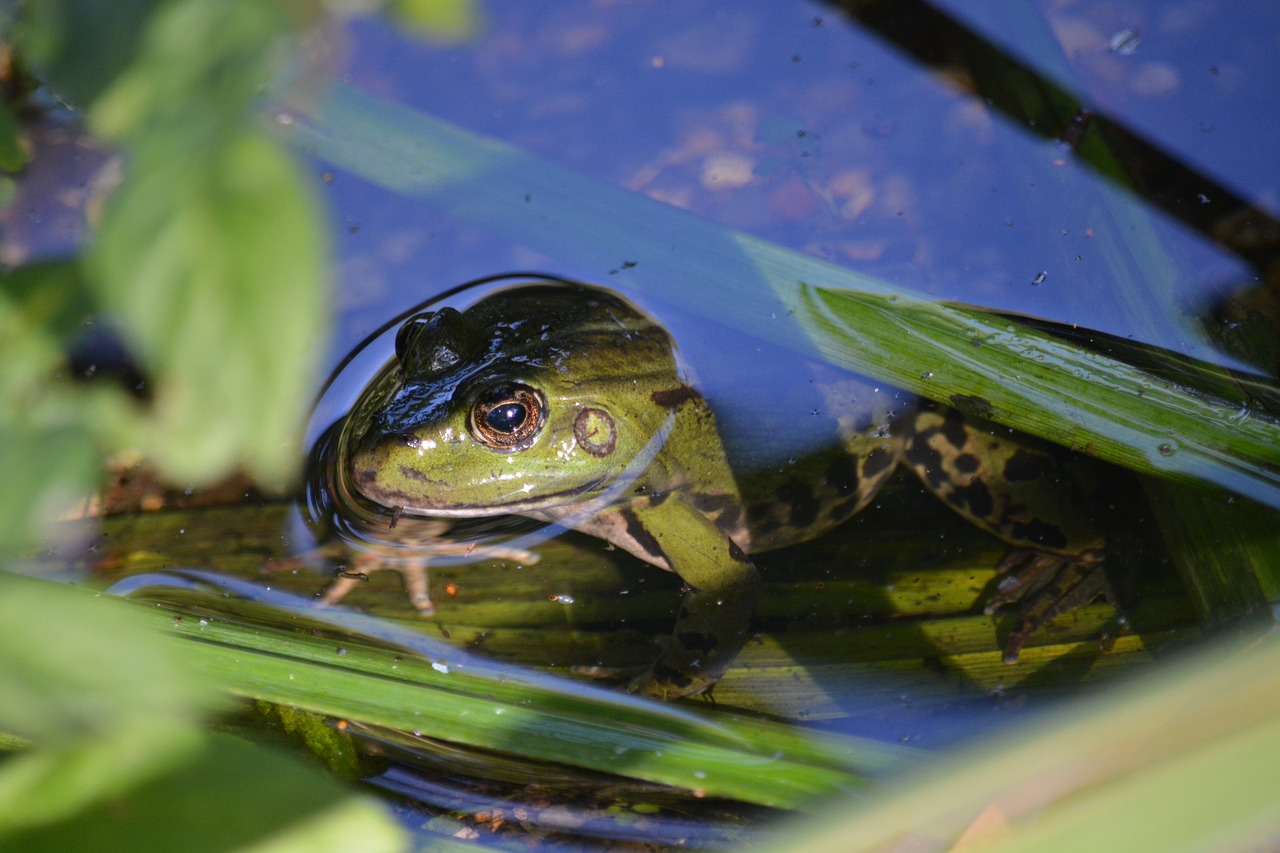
412,568
663,683
647,680
413,573
1047,586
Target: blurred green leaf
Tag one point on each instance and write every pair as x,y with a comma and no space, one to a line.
440,20
118,759
211,255
12,155
48,469
80,46
197,71
47,453
103,715
230,795
217,273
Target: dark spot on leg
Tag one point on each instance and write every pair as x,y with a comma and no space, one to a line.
842,473
1039,532
976,497
927,462
967,463
1028,465
723,509
972,405
763,521
877,462
953,429
641,535
803,503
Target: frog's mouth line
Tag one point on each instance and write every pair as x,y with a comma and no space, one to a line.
575,508
518,507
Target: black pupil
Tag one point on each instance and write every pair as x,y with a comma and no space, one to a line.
507,417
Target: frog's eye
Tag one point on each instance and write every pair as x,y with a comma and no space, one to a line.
507,417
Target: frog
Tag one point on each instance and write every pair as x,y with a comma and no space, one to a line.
565,403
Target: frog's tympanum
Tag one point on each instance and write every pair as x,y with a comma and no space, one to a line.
565,403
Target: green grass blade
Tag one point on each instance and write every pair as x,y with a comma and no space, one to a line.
400,680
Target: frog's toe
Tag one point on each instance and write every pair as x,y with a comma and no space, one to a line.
1046,586
343,582
666,683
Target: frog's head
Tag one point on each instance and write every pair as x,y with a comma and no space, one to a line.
536,397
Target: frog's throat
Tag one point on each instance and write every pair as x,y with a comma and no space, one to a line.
567,508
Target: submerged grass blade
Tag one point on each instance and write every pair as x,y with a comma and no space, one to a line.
764,289
454,697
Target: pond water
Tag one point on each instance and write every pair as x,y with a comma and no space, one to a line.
860,138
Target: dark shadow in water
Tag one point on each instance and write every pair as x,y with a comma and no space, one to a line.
1043,107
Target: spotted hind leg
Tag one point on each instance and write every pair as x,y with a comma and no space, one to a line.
1037,496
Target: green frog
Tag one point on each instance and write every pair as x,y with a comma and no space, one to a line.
567,404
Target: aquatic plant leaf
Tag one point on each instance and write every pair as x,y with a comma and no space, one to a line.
383,675
211,253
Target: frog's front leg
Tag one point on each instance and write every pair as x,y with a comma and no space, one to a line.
720,598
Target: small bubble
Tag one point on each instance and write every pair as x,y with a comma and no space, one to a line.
1165,449
1125,42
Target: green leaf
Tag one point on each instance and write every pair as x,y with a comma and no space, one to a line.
211,254
229,795
439,20
80,46
46,452
217,274
47,471
408,683
117,759
103,716
12,155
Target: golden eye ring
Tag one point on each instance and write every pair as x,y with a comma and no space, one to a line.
507,417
